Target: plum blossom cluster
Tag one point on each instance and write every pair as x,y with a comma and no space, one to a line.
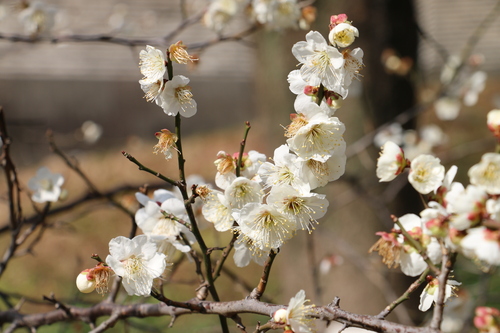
266,202
457,218
464,83
141,260
138,261
413,142
273,14
173,95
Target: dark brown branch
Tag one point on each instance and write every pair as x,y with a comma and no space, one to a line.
261,287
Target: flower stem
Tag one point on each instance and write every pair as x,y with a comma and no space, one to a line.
417,246
259,290
405,296
242,148
194,224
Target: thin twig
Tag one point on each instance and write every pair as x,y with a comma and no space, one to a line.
405,296
420,249
261,287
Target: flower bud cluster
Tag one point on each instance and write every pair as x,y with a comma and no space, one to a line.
487,320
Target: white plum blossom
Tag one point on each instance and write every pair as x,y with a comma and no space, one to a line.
46,186
431,291
482,244
426,173
285,170
412,263
321,62
343,34
277,14
486,174
159,196
137,262
305,208
226,169
161,229
264,226
244,252
318,139
392,132
306,94
37,18
318,174
176,97
391,162
435,219
493,208
432,135
242,191
353,62
297,316
396,249
251,163
474,85
219,13
152,90
467,205
216,209
152,65
447,108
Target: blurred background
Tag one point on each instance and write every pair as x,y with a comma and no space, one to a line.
88,94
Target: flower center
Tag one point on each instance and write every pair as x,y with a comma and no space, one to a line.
318,168
166,227
421,175
286,176
491,172
46,184
321,60
183,94
295,205
133,267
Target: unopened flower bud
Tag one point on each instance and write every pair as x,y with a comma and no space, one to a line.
85,281
311,91
94,279
280,316
487,319
494,122
337,19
